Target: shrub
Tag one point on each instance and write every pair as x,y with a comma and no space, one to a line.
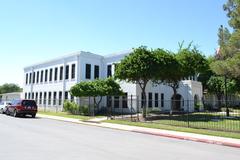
71,107
84,110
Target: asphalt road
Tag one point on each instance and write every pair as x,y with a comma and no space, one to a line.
44,139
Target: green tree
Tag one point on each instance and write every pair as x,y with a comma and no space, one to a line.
192,61
216,85
96,88
206,74
138,67
9,87
232,7
169,71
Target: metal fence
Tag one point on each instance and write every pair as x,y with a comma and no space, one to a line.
183,113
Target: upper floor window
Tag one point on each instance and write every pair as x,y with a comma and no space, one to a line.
67,72
73,71
61,73
55,74
30,78
50,74
26,78
88,71
41,80
96,71
46,75
109,70
37,76
33,77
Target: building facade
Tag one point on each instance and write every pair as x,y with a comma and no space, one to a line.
49,84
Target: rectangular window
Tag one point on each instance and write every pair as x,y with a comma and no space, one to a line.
44,98
26,78
50,75
25,95
150,99
88,71
116,101
32,95
55,74
96,71
125,100
46,75
61,73
41,80
109,70
66,95
67,72
40,98
49,98
36,97
156,99
29,95
33,77
60,98
54,98
37,76
162,100
30,78
72,98
73,71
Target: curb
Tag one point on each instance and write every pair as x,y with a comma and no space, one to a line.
188,138
229,144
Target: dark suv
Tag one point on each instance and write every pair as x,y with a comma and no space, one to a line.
22,107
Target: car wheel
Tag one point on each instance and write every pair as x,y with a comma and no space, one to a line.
7,112
15,113
1,110
33,115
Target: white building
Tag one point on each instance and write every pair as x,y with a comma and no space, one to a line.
10,96
49,83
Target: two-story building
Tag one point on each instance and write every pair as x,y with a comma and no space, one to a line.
49,83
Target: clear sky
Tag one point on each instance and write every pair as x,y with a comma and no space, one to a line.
32,31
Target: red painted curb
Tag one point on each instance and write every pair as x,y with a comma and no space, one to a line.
229,144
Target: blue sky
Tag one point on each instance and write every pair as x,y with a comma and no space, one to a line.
36,30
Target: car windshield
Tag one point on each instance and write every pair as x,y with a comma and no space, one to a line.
28,103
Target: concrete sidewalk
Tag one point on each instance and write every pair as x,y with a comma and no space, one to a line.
231,142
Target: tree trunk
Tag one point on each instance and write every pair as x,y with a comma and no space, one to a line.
143,87
144,104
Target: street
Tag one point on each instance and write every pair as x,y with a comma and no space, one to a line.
44,139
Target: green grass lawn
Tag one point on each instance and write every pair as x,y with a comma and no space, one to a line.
211,121
176,128
65,114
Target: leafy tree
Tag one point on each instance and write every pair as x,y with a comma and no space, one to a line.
232,7
138,67
206,74
9,87
224,51
175,67
216,86
171,71
192,61
96,88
